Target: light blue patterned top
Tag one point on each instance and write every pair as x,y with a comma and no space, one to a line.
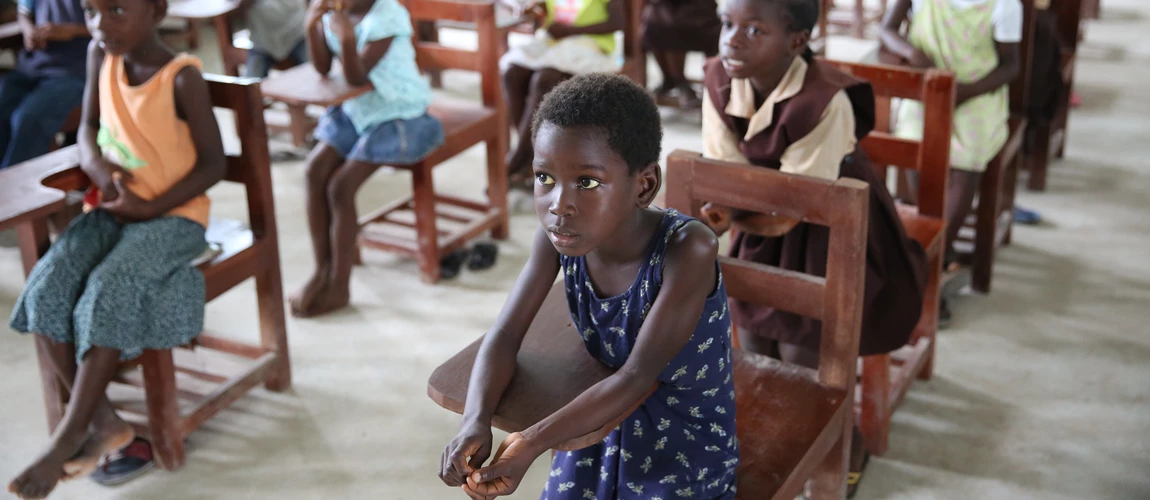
400,92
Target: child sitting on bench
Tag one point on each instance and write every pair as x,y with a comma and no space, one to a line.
119,280
388,125
647,295
770,103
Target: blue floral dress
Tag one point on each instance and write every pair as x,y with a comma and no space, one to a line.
681,442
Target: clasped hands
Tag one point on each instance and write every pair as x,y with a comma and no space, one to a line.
462,463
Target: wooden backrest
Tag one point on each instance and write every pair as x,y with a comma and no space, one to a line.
252,166
930,156
841,206
484,60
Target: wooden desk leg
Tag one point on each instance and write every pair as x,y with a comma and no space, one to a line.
427,238
163,410
497,184
273,329
34,243
193,34
830,480
874,420
224,39
298,124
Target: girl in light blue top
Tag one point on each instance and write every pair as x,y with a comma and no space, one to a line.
388,125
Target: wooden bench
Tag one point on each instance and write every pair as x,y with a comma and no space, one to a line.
886,378
34,190
1050,135
794,423
464,125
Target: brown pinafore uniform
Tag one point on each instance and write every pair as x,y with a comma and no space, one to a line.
895,264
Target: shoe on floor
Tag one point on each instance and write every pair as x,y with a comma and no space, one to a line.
1028,217
124,465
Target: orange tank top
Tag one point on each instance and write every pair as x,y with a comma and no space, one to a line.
141,131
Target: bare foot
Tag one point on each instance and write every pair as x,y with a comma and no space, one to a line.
40,478
105,439
304,299
328,299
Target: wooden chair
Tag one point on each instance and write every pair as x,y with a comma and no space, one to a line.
464,125
993,215
1050,135
246,253
886,378
794,423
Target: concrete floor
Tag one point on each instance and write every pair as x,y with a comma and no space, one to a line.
1039,392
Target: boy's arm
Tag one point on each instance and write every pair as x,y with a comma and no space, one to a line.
211,165
689,278
90,112
495,362
1009,66
28,26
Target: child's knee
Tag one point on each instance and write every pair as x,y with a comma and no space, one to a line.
516,76
320,164
345,182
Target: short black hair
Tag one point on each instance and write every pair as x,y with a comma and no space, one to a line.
800,15
614,104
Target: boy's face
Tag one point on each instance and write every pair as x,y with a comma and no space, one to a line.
121,25
754,40
584,191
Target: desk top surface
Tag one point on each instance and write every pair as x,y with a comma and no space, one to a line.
304,85
24,197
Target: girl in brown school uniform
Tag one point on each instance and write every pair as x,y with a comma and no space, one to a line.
769,103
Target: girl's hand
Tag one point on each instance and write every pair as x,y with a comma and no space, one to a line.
342,27
505,473
465,454
127,207
716,217
102,173
316,10
560,31
919,59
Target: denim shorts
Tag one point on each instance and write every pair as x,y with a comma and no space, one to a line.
395,142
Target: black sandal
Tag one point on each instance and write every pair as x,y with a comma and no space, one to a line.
483,256
449,266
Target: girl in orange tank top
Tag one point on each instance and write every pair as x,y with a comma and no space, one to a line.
119,279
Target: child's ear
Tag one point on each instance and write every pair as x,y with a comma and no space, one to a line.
799,42
649,180
161,10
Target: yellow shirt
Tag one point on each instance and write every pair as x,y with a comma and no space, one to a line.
819,154
141,131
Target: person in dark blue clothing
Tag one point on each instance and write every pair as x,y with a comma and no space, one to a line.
647,297
48,83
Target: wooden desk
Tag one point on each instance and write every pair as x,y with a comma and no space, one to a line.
26,202
303,85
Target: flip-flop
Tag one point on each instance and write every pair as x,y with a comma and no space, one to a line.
1025,216
449,266
483,256
124,465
